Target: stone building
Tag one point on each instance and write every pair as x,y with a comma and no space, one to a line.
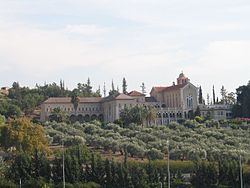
172,103
216,111
175,102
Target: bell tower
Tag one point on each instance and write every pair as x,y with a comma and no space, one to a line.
182,79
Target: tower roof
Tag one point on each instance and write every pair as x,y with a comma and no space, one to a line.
181,75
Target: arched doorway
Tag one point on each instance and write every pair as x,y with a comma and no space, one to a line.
86,118
73,118
80,118
93,117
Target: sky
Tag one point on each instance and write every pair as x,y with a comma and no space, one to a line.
150,41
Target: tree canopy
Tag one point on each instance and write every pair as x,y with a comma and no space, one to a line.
22,134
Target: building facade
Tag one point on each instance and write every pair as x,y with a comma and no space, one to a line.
178,101
216,111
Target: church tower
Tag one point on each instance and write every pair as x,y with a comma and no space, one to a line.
182,79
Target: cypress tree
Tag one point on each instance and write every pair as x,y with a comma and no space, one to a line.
124,86
200,96
108,177
213,95
113,170
89,88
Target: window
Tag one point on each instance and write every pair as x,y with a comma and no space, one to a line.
189,100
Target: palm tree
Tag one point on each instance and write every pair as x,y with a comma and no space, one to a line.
150,115
58,115
75,101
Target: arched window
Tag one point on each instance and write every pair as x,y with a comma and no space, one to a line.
189,101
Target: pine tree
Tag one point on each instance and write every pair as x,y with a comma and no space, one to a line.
124,86
200,96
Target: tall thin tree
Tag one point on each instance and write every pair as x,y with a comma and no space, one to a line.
104,90
200,96
213,95
124,86
143,88
89,87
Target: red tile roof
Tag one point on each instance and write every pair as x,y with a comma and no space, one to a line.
158,89
169,88
174,87
68,100
135,94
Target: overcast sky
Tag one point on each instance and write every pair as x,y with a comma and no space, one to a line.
149,41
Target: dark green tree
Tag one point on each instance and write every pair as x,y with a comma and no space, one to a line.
205,174
40,166
108,175
200,96
197,111
124,86
21,168
89,88
213,95
113,91
242,107
75,101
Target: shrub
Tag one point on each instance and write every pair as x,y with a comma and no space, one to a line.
6,183
199,119
154,154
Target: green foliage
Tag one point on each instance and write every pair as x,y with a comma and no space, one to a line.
223,173
58,115
137,115
4,183
124,86
21,168
22,134
242,107
188,142
154,154
26,100
205,174
8,108
199,119
2,120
